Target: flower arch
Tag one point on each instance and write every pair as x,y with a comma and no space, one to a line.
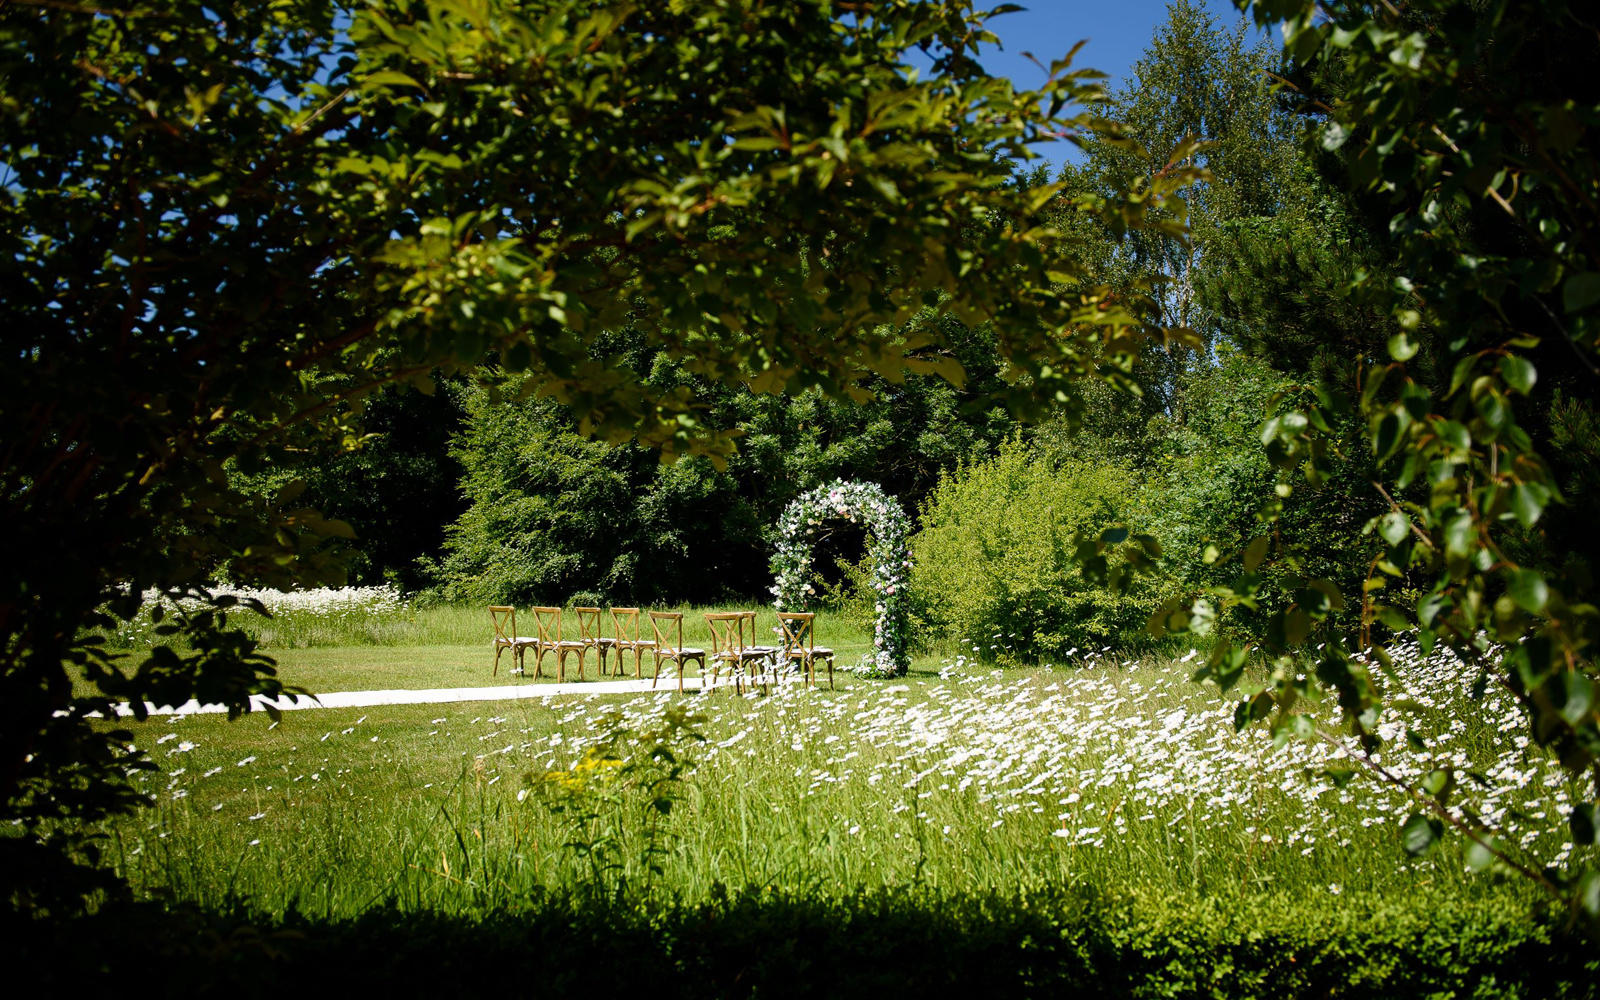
887,530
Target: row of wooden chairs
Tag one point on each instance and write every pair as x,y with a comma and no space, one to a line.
729,646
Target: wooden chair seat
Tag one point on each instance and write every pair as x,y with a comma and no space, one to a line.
550,641
800,644
729,646
504,618
674,651
589,635
625,624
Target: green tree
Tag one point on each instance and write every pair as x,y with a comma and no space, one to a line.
997,564
222,220
1472,125
551,514
1262,281
396,484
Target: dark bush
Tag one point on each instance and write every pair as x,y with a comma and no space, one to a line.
894,943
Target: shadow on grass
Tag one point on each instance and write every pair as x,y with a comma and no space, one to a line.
887,943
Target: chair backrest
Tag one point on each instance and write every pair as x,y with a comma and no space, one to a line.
588,623
727,632
798,632
549,620
750,620
505,621
625,622
676,618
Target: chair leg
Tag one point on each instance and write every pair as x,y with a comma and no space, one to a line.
496,671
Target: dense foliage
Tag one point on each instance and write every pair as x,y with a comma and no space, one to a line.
550,514
1041,944
1467,126
996,564
225,224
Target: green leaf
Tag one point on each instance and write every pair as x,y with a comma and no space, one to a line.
1580,291
1576,696
1479,856
1460,534
1491,406
1519,373
390,78
1420,833
1455,434
1589,893
1394,527
1529,590
1527,502
1438,783
1296,626
1255,552
1402,347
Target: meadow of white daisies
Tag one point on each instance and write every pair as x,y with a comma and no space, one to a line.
1107,772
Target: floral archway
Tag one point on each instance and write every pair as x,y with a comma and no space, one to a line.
887,530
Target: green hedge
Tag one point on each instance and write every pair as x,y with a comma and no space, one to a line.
995,564
887,943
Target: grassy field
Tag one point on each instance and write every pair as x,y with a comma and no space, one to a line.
1095,827
966,779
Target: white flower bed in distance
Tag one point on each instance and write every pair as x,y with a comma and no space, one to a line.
320,607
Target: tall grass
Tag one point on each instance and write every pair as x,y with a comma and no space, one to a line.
1111,775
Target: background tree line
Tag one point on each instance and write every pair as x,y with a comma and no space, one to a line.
482,493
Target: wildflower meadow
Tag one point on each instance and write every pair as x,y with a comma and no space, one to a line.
1101,771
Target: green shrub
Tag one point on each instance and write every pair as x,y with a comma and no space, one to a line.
994,563
886,943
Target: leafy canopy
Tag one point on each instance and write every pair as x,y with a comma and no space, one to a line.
1471,124
225,223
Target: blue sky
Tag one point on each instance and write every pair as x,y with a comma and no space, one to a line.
1117,31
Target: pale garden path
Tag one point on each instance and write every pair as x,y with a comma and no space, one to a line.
366,699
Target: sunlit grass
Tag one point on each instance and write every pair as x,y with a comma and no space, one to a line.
1110,775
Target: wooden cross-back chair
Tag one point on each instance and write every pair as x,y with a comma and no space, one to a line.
767,650
800,644
729,646
506,637
625,624
550,641
589,635
672,650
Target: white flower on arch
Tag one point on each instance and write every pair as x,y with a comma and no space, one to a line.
887,530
